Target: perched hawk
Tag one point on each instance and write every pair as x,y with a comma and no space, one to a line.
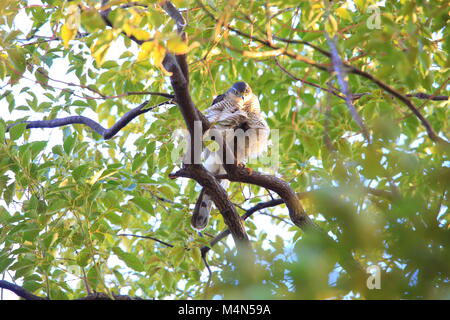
235,118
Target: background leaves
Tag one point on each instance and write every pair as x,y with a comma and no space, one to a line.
67,193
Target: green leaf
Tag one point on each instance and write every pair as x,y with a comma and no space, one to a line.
178,254
5,263
36,147
167,279
2,130
130,259
17,131
93,277
197,256
68,144
31,232
83,258
144,204
9,192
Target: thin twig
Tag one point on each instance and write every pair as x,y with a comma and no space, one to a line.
340,73
425,96
146,237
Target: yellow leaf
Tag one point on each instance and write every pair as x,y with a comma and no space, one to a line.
177,46
96,176
158,54
67,34
109,174
179,3
64,183
99,51
146,48
112,153
136,32
343,13
127,29
331,25
111,121
141,34
156,51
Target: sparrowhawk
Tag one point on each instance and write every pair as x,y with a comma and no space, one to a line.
235,118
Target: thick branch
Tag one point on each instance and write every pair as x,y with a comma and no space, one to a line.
175,15
180,84
97,127
18,290
21,292
182,95
221,200
282,188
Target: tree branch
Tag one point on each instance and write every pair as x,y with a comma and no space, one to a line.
19,291
146,237
425,96
97,127
305,81
340,74
221,200
282,188
104,14
262,205
22,293
351,69
430,131
181,24
180,84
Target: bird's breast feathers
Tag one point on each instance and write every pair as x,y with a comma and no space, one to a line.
235,114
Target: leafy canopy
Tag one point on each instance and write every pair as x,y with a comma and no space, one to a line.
67,194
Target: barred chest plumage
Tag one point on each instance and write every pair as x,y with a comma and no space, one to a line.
235,119
241,124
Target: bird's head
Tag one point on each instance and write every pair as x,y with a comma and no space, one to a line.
241,90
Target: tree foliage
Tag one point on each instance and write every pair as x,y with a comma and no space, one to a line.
358,94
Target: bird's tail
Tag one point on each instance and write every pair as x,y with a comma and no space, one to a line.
202,209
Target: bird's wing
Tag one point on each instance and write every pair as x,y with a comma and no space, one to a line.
225,112
217,99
